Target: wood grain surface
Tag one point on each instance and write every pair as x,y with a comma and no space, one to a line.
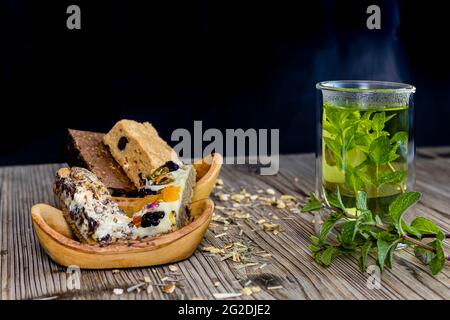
284,271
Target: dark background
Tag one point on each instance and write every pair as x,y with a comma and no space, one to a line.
232,64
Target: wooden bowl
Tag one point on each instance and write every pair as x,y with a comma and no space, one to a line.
61,245
58,241
207,169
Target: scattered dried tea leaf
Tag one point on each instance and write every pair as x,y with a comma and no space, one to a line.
287,197
251,264
118,291
147,279
220,235
261,221
256,289
173,268
219,182
281,204
226,295
224,197
238,197
136,287
246,291
149,288
270,191
275,288
115,271
168,288
236,257
213,250
268,226
242,215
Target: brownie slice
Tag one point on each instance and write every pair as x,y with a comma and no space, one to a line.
86,149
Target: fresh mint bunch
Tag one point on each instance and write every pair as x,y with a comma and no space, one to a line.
359,145
366,232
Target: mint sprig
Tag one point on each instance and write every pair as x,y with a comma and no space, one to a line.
365,232
359,146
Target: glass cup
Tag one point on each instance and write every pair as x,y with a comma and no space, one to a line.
365,142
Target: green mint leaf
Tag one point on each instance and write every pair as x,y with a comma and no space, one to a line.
399,138
437,263
378,121
399,206
328,225
361,200
410,230
313,204
425,226
336,149
390,254
389,117
315,240
393,154
335,200
353,181
314,249
391,177
424,255
364,254
379,150
378,220
348,233
385,242
327,255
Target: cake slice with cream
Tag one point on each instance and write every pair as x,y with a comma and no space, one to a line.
169,190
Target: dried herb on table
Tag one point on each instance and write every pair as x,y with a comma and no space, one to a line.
365,232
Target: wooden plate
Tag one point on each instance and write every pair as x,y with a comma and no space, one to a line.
59,243
57,239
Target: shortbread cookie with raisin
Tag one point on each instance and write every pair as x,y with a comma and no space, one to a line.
138,149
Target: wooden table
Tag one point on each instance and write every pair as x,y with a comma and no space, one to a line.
26,272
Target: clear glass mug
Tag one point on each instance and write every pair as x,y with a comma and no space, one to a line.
365,141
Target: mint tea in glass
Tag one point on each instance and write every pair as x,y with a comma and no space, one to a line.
365,142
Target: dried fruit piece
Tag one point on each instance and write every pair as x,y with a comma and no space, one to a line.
152,219
168,288
171,193
121,145
172,217
137,221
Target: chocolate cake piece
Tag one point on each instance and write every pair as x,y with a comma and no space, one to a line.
86,149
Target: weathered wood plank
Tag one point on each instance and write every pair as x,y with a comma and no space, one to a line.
26,272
